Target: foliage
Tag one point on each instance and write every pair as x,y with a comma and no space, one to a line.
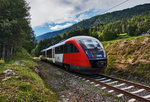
108,35
20,52
2,61
14,26
122,36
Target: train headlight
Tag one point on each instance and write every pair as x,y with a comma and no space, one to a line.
92,56
104,53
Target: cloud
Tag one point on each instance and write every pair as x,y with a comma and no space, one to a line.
60,11
58,27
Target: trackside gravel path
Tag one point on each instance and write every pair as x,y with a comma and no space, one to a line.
70,89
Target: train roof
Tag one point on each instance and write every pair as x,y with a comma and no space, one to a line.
62,43
82,37
58,44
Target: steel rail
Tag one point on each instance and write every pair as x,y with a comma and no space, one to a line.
128,82
117,89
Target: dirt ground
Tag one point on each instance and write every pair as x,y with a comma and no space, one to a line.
70,89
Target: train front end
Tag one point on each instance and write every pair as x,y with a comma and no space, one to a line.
95,53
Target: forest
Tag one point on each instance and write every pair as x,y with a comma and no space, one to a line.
112,17
15,29
135,26
102,19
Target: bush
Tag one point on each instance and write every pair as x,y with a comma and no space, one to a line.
2,61
109,35
19,52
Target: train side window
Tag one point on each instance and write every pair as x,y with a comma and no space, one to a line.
75,50
61,49
56,50
65,48
70,48
49,53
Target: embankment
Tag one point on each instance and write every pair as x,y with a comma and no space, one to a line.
129,58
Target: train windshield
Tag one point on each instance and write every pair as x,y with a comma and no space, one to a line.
90,44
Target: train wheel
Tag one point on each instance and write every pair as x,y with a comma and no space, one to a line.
67,67
102,71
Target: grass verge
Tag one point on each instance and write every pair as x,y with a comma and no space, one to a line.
20,83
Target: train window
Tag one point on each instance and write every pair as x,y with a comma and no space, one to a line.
56,50
90,44
65,48
49,53
75,50
59,49
70,48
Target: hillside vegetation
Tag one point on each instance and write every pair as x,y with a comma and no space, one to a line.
129,58
102,20
20,83
113,16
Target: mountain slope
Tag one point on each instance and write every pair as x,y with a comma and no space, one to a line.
111,17
49,35
102,19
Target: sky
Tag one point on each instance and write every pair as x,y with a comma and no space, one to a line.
53,15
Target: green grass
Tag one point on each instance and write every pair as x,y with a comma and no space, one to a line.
105,93
128,38
25,85
123,36
129,58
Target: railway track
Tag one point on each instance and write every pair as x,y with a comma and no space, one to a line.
136,92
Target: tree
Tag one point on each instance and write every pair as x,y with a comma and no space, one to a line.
14,25
108,35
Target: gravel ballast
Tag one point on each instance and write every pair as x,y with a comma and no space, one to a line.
71,89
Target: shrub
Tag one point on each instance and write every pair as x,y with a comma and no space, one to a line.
2,61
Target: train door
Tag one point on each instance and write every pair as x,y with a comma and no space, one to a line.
69,52
46,54
53,55
66,56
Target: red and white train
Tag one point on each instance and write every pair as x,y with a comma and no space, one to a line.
82,54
